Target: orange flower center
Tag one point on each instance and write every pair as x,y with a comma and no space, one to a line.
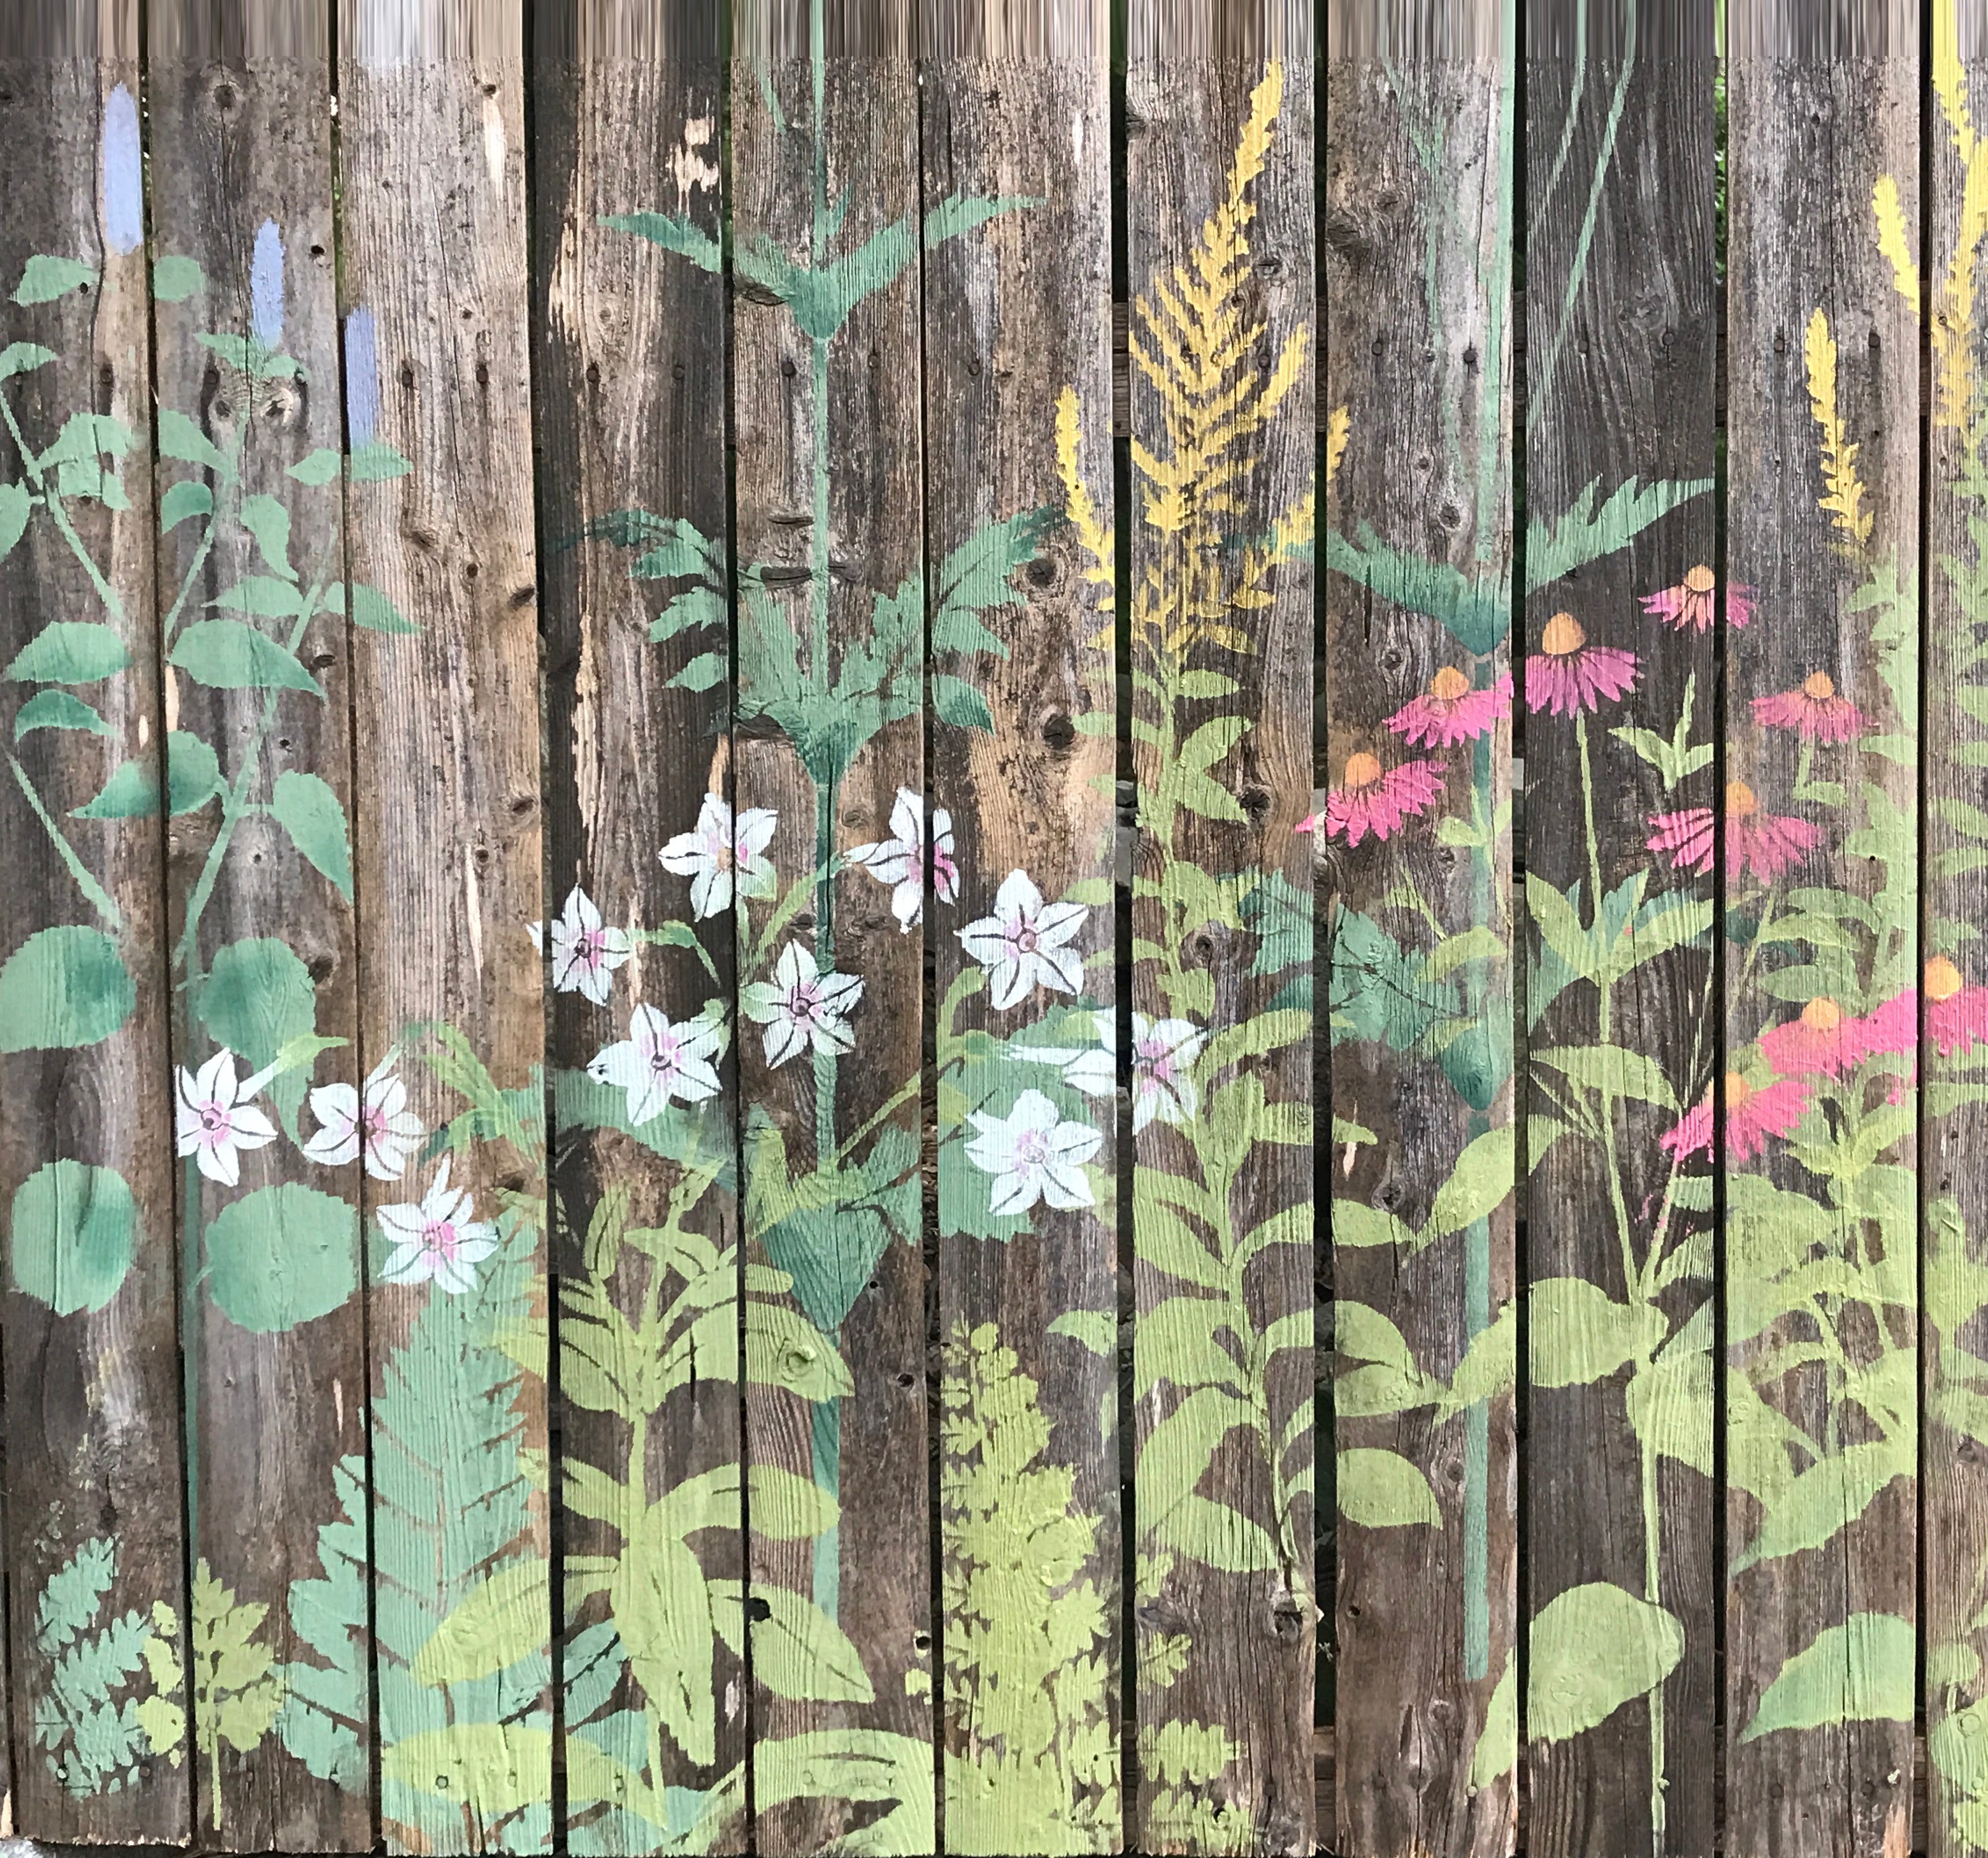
1740,803
1448,684
1563,636
1737,1091
1818,686
1700,579
1361,770
1822,1015
1943,978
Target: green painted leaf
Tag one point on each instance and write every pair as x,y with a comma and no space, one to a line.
257,997
268,522
1585,534
71,1236
1670,1402
372,610
262,597
491,1768
1356,1223
1382,1490
1594,1647
1217,1536
86,437
188,498
799,1651
957,702
703,672
1484,1174
22,358
783,1349
673,234
498,1622
317,467
662,1609
230,655
43,278
1861,1671
788,1509
180,438
1490,1366
377,463
1613,1070
281,1256
69,651
1496,1751
58,710
977,577
1097,1329
1478,613
193,773
63,989
132,792
16,507
1579,1334
1825,1499
306,809
175,279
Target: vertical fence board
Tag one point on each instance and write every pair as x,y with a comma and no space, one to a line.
1623,1022
1955,1201
830,620
1219,191
96,1548
1820,914
1017,387
259,877
631,390
437,367
1417,224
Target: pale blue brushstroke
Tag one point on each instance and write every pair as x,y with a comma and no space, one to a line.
362,379
123,173
265,287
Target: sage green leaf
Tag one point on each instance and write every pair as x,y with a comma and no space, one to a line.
188,498
132,792
262,597
318,468
1823,1500
491,1768
69,651
1583,533
498,1622
799,1651
43,278
282,1255
703,673
1578,1334
673,234
376,463
1860,1671
257,997
372,610
175,279
58,710
1485,1175
180,438
693,606
22,357
62,989
268,522
1477,612
306,809
1382,1490
193,773
1497,1751
957,702
1593,1648
228,655
16,507
87,438
72,1235
978,577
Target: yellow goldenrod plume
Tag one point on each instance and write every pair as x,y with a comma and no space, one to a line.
1893,242
1097,540
1338,429
1843,494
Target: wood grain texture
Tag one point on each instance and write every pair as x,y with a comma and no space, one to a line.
830,527
1620,355
241,162
1416,222
92,1399
435,303
631,386
1220,193
1014,319
1821,909
1954,1494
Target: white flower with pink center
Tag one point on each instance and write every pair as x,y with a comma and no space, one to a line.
213,1120
585,951
1025,943
379,1127
437,1239
801,1007
720,854
1033,1155
1164,1052
658,1061
899,860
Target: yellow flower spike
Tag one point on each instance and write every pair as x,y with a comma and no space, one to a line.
1338,429
1892,240
1843,494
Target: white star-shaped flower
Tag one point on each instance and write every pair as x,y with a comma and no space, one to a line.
719,853
898,862
214,1120
801,1008
585,952
658,1061
1025,943
1033,1155
383,1130
437,1239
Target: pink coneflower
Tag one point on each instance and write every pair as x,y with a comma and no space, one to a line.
1753,1113
1451,711
1764,843
1567,674
1692,602
1956,1014
1376,801
1821,1043
1815,710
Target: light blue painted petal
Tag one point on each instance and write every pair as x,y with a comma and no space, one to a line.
362,380
265,287
123,173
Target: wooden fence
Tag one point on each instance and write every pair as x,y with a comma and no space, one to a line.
672,1180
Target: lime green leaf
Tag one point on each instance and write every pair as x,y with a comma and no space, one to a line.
1097,1329
491,1769
1613,1070
63,989
309,811
1496,1752
282,1255
71,1236
498,1622
1217,1536
1825,1499
229,655
785,1507
69,651
1578,1334
1861,1671
797,1649
58,710
1484,1175
1593,1648
662,1611
1382,1490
